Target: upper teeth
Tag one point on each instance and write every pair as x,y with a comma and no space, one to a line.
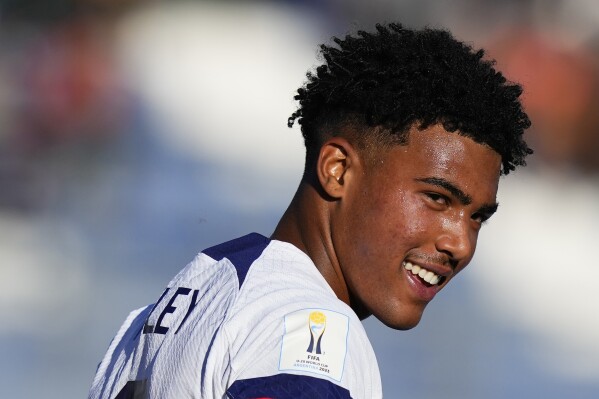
424,274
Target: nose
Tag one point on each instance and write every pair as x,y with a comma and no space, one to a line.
458,240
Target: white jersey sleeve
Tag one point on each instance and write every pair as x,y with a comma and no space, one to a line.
250,318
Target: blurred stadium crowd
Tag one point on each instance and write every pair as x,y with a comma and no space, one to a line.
135,133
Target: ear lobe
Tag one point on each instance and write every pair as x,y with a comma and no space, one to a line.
336,159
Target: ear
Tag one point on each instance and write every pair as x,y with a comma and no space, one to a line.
338,162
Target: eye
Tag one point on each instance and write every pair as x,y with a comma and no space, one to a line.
438,199
480,218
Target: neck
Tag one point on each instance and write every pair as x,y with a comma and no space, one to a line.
306,224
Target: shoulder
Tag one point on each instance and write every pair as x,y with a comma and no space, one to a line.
321,348
116,356
289,331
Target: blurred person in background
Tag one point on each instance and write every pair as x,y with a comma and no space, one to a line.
406,133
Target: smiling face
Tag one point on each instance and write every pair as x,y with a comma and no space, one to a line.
414,211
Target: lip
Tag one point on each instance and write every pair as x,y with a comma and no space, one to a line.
419,289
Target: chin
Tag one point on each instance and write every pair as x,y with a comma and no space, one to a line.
401,321
396,315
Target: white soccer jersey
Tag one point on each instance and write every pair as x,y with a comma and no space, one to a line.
250,318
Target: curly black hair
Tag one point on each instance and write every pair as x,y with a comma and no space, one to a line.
396,78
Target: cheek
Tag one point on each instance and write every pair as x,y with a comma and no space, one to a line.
392,224
416,219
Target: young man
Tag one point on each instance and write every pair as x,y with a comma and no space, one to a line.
406,133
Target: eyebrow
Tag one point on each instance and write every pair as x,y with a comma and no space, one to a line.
465,199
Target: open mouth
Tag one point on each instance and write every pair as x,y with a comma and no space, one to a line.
427,277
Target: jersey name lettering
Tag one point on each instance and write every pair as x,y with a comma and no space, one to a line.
170,308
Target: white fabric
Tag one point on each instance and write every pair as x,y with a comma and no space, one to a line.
236,333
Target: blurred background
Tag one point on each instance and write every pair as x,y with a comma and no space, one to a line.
133,134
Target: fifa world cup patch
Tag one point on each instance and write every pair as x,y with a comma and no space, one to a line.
315,341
